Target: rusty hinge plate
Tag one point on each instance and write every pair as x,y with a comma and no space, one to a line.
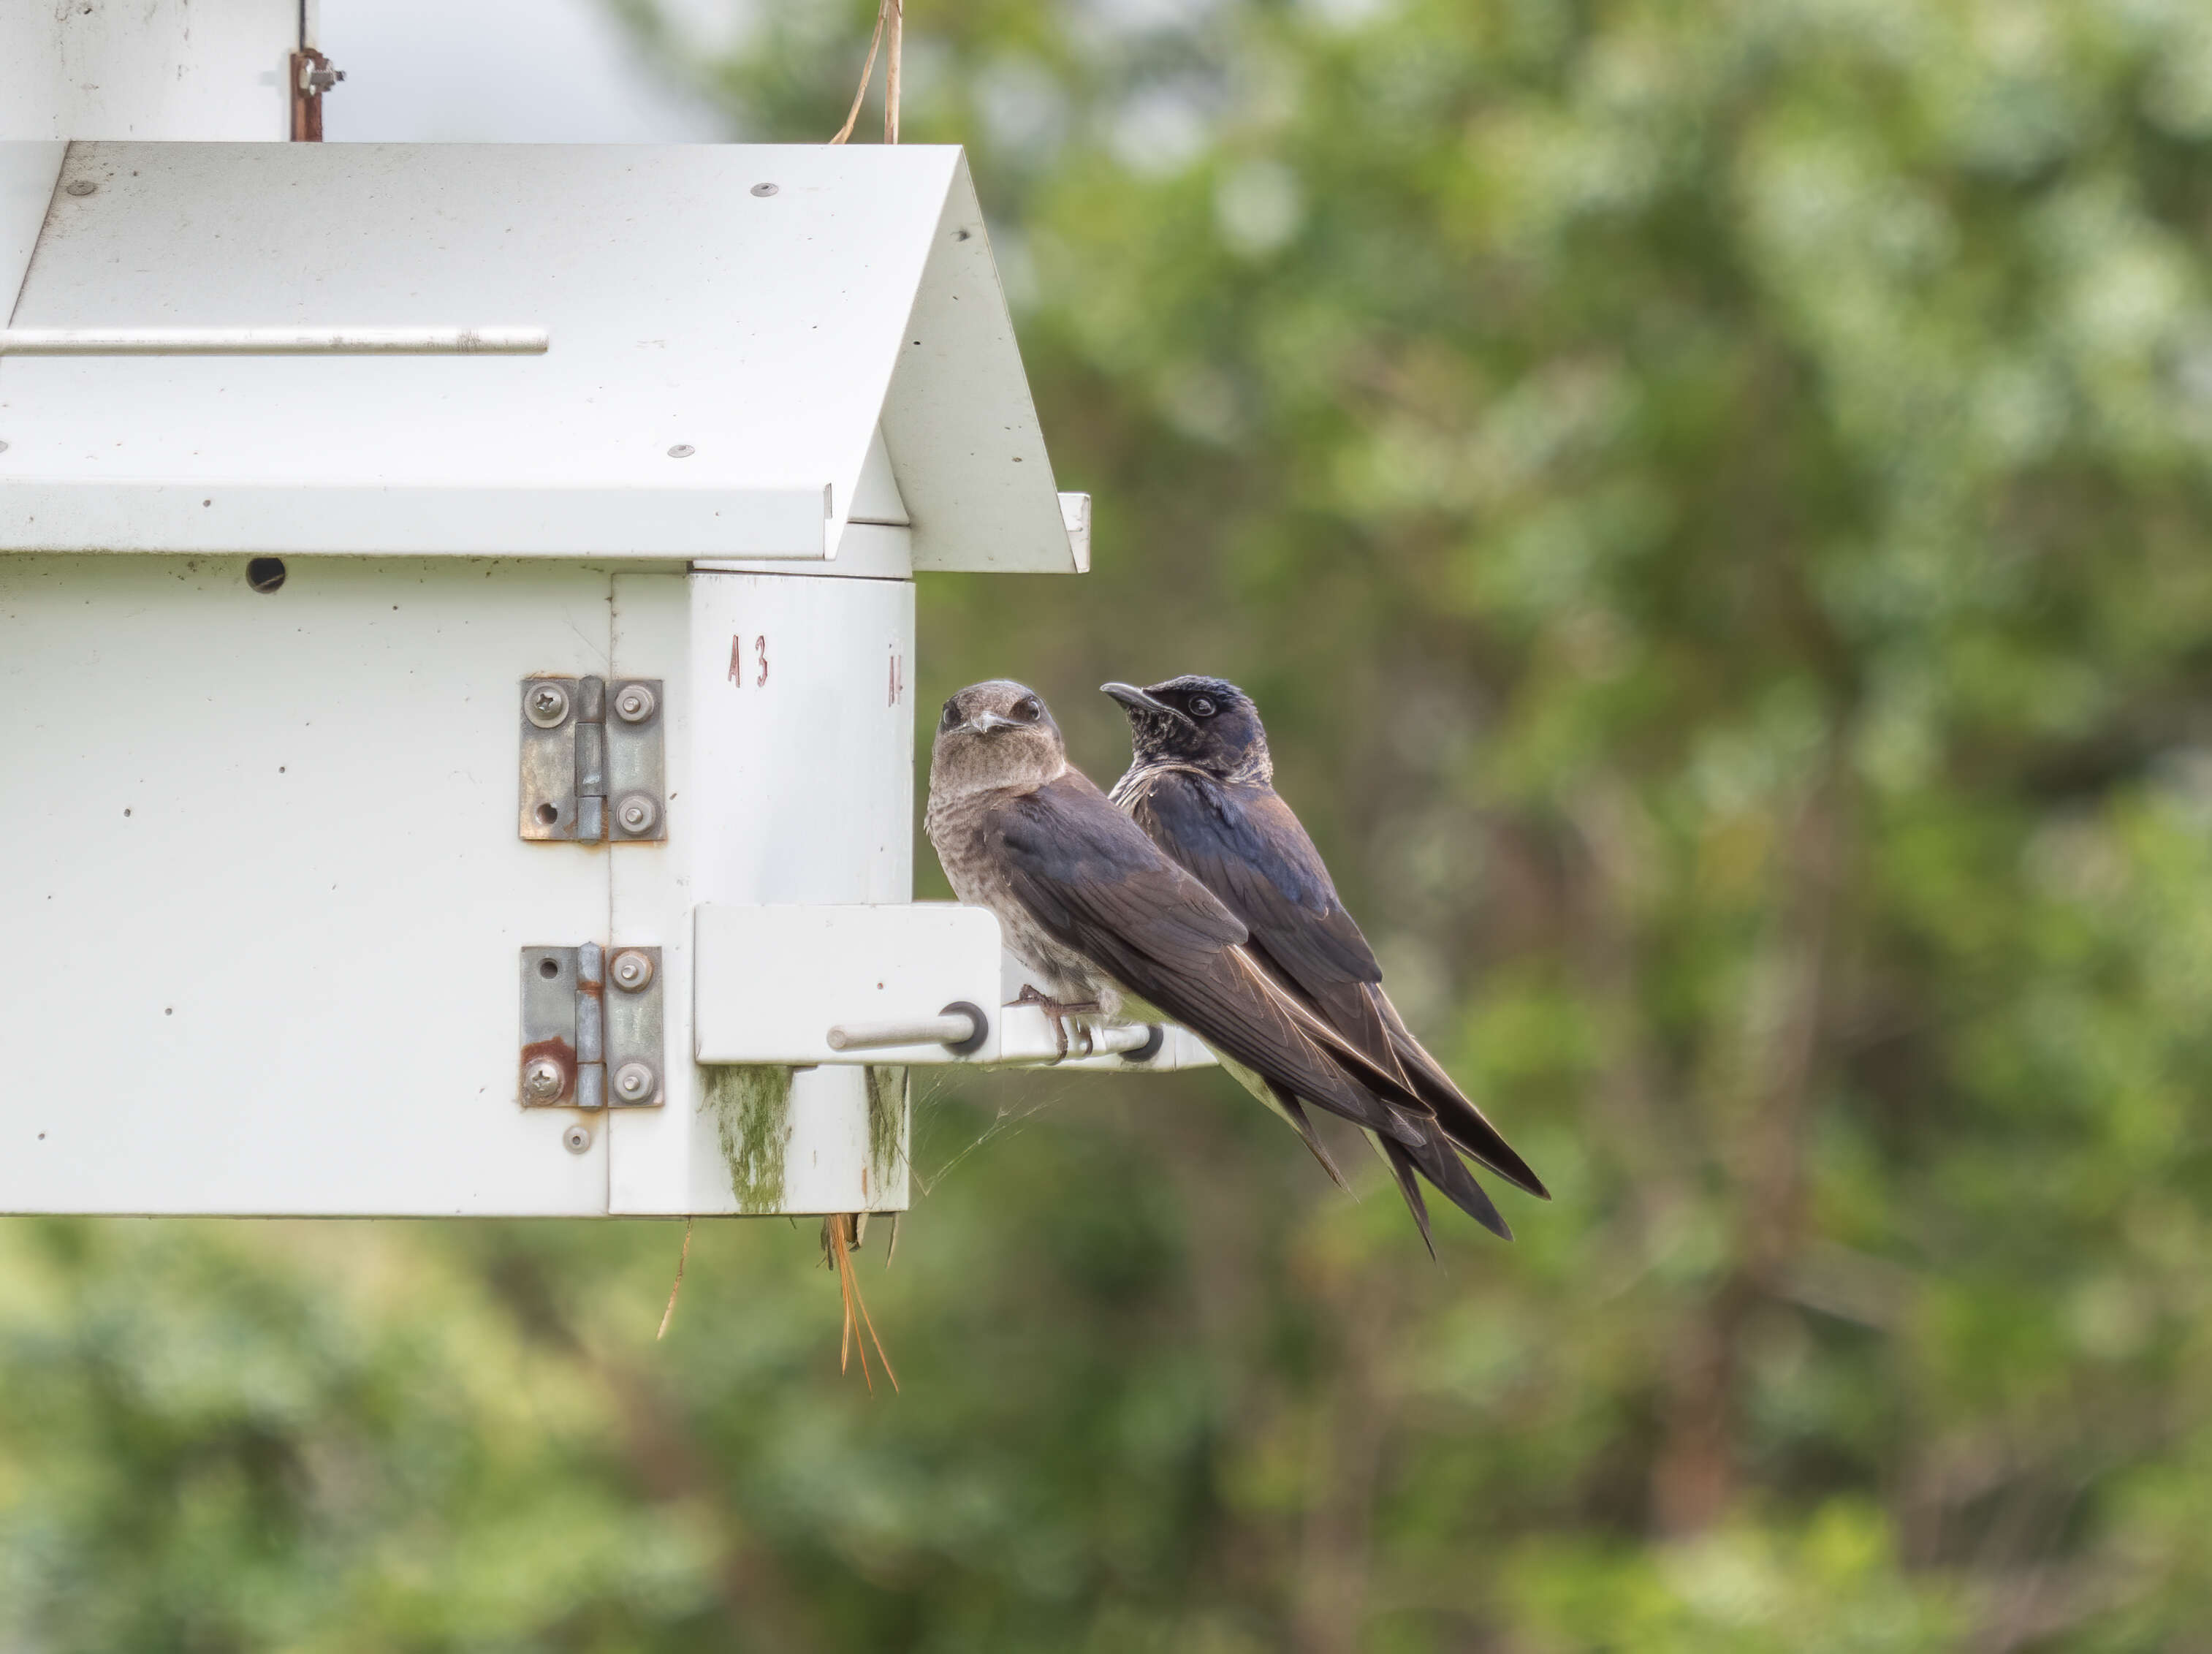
592,1028
594,769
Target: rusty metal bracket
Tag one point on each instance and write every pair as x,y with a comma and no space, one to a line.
587,777
591,1029
312,76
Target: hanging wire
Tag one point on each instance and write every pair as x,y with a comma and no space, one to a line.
891,14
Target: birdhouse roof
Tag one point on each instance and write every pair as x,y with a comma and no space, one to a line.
731,331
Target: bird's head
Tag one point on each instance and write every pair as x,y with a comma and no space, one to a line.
996,734
1206,722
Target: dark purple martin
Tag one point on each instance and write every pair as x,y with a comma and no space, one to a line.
1201,785
1087,901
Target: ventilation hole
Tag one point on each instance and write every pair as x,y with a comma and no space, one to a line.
265,574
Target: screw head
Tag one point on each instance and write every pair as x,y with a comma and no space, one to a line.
542,1079
576,1139
79,186
763,189
632,969
682,450
633,1082
637,813
635,704
546,705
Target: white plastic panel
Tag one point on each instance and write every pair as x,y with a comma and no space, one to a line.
704,336
152,69
960,427
876,496
29,172
791,778
262,894
771,981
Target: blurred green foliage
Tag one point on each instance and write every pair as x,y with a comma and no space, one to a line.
1712,499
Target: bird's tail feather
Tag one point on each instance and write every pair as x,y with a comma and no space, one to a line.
1438,1162
1292,1111
1395,1157
1463,1124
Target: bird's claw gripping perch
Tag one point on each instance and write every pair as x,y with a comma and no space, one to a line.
1057,1011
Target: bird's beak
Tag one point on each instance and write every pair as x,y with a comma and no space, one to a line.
984,722
1137,700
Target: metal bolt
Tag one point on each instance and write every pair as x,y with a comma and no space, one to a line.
80,186
576,1139
635,704
682,450
763,189
632,970
637,814
633,1082
542,1079
546,705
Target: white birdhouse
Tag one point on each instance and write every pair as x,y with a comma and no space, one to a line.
457,627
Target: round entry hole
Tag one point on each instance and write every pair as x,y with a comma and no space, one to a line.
549,968
265,574
548,814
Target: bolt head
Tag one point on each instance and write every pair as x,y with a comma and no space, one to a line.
682,450
637,813
635,704
576,1139
763,189
632,969
633,1082
542,1079
546,705
80,186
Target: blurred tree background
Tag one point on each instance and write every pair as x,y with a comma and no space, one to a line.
1713,500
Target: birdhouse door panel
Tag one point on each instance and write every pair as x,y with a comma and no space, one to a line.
264,896
791,766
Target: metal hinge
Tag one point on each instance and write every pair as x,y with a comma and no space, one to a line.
587,780
591,1028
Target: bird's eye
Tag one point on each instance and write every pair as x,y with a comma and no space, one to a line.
1028,709
1201,706
951,715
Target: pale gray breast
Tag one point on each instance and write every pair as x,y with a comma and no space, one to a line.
957,830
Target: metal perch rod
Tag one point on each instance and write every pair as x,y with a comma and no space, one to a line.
954,1028
273,341
959,1027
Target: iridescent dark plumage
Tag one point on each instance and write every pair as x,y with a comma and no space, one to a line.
1091,905
1201,785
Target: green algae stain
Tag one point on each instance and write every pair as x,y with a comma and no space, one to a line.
752,1115
887,1116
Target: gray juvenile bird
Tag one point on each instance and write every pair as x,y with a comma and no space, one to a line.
1107,923
1201,785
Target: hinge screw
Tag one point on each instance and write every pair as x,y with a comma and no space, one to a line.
632,1082
635,704
632,970
637,814
542,1079
546,705
576,1139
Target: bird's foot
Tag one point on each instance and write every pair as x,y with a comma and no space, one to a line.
1057,1011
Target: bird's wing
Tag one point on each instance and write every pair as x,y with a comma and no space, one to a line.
1247,846
1092,881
